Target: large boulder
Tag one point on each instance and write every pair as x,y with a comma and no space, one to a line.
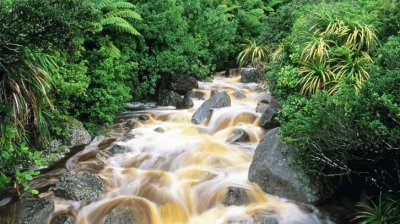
36,211
80,186
121,216
168,98
217,100
273,171
268,118
249,75
182,84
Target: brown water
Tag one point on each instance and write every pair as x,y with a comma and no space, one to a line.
184,174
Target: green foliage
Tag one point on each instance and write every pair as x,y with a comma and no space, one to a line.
385,211
253,54
346,127
116,15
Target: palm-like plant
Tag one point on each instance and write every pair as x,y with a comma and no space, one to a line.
362,37
253,53
315,76
317,48
353,68
385,211
117,15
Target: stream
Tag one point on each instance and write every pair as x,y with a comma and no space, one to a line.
179,172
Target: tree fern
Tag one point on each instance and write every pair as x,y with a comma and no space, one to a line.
117,15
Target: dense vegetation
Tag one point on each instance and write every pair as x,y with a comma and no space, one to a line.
66,59
334,65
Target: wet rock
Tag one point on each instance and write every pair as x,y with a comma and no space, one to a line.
119,149
131,124
121,216
239,135
168,98
186,103
273,172
80,186
54,152
144,117
239,95
249,75
234,72
136,106
127,137
36,211
265,220
235,196
268,118
62,219
159,130
78,134
196,95
264,102
182,84
217,100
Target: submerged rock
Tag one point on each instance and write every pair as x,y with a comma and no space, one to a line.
239,95
235,196
186,103
136,106
36,211
168,98
196,95
249,75
121,216
62,219
80,186
239,135
217,100
265,220
268,118
119,149
272,171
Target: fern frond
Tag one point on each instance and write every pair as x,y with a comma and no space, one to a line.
119,24
127,14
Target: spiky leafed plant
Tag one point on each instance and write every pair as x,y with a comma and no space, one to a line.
354,68
26,87
385,211
315,76
362,38
253,53
317,48
117,15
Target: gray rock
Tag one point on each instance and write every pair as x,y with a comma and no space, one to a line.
182,84
239,135
131,124
54,152
268,118
249,75
36,211
264,102
121,216
62,219
239,95
234,72
272,171
235,196
79,135
119,149
196,95
168,98
186,103
136,106
217,100
265,220
80,186
159,130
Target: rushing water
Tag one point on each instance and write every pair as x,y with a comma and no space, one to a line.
179,172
